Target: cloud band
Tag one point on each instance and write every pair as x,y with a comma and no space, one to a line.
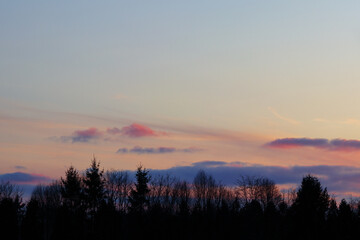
321,143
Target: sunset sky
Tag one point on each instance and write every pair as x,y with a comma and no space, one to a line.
266,88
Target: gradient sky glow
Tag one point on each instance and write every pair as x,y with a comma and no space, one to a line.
174,83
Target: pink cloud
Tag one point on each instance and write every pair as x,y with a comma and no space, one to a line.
134,130
334,144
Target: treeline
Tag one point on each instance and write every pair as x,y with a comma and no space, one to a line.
110,205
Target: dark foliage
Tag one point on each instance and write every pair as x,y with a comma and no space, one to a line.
11,207
94,187
309,209
110,206
139,194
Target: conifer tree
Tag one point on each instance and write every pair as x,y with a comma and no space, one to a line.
71,188
139,195
312,200
94,183
310,206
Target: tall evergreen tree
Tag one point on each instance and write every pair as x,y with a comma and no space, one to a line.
346,220
139,195
72,213
71,188
310,206
94,183
312,199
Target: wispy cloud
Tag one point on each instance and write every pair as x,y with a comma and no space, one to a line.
19,167
348,121
322,143
351,121
135,131
281,117
159,150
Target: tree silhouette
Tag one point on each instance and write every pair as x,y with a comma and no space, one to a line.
204,190
345,213
139,195
94,186
182,193
310,206
10,210
332,220
46,203
32,225
94,195
311,197
94,207
71,188
72,211
118,186
345,219
260,189
253,213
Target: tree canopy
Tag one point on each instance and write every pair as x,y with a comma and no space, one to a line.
134,205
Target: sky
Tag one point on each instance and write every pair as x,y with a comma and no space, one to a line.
233,87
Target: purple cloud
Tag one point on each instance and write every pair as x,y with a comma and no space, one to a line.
86,135
83,136
335,144
24,178
159,150
209,164
343,144
338,179
134,130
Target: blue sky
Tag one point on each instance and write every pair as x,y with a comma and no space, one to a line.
226,77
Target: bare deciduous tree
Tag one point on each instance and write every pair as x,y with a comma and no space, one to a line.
118,186
161,190
182,196
261,189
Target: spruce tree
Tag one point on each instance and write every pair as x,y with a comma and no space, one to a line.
94,186
310,207
312,200
71,188
139,194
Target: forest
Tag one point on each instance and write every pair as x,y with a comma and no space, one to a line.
98,204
